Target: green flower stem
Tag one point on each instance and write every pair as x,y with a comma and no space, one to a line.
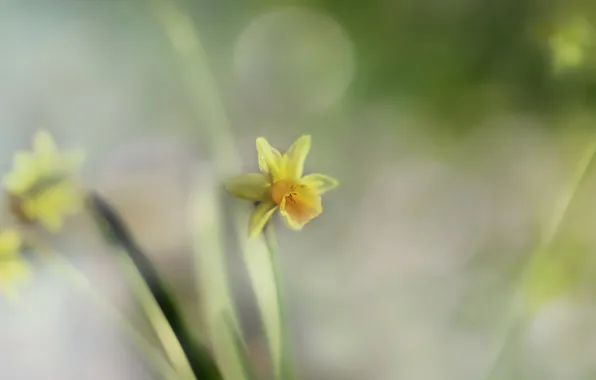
191,359
158,320
516,318
288,369
154,357
179,28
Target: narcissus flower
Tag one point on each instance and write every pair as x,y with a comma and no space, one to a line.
41,183
281,185
14,270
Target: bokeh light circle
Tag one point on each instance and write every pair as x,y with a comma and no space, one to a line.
295,59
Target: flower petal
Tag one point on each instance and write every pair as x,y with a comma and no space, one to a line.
10,242
270,160
50,220
17,182
319,182
295,156
23,160
51,204
253,186
289,222
43,143
24,172
13,272
260,217
302,210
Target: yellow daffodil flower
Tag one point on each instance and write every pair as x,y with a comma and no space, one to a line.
41,183
281,185
13,268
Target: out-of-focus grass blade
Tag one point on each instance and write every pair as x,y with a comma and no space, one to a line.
184,38
240,345
156,317
212,283
190,357
519,309
554,274
179,28
153,355
262,274
231,344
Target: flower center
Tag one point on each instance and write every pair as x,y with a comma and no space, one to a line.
284,188
297,201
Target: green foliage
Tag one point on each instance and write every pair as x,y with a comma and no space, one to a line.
553,274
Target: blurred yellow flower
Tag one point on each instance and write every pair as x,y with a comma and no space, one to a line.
41,182
13,268
281,185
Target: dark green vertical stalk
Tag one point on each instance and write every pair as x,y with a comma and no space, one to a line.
115,231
